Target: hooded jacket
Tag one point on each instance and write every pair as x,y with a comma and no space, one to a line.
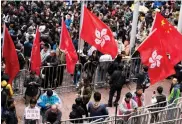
175,93
97,109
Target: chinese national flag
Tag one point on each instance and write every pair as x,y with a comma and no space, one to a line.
170,38
67,45
153,55
35,55
97,34
10,56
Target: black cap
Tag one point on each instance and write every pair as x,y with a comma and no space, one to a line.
49,92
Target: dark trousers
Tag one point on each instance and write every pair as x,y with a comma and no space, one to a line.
111,94
84,106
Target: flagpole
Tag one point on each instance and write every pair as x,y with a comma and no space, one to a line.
134,24
4,27
81,42
180,20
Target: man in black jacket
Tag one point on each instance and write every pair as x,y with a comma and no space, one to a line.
117,81
32,82
143,80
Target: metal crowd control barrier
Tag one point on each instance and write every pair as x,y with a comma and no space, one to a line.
56,77
85,120
51,77
157,116
174,121
18,82
131,67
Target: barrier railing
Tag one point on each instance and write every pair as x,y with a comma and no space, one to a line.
131,67
85,120
57,77
18,82
174,121
157,116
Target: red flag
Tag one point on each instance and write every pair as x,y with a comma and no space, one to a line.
97,34
35,55
10,56
67,45
170,37
153,55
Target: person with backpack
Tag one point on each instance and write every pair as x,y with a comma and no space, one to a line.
143,80
77,111
6,93
116,82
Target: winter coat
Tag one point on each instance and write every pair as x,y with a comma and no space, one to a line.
10,116
77,112
53,118
44,55
175,93
44,99
32,89
86,93
21,59
117,79
61,56
52,60
141,98
123,110
141,79
96,109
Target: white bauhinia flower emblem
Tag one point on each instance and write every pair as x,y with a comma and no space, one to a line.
101,37
155,60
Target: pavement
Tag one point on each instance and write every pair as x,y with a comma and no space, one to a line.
69,98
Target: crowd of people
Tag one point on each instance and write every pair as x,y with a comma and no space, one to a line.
22,18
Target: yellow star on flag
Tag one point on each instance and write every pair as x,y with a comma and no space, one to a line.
163,22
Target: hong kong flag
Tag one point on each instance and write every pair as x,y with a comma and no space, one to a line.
67,46
170,38
97,34
153,55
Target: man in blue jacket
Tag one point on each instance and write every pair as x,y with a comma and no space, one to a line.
46,100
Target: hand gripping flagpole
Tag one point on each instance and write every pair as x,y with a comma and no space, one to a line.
134,24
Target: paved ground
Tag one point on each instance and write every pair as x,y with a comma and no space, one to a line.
68,98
